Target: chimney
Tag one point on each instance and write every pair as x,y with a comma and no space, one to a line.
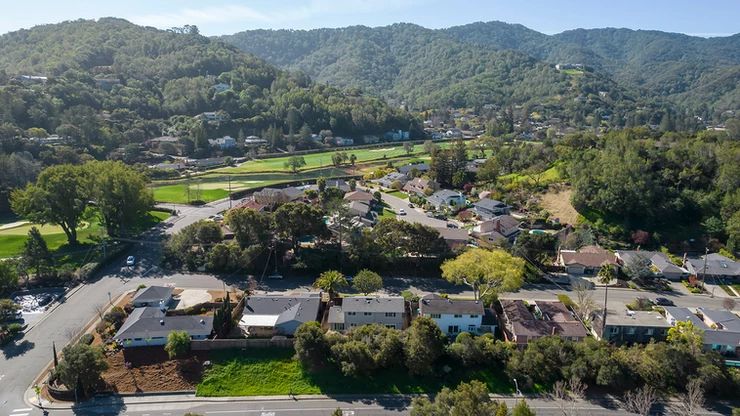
553,330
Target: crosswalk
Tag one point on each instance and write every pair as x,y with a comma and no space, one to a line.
21,412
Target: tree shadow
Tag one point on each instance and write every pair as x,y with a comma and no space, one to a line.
100,405
14,349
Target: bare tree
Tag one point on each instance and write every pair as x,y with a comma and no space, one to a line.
577,392
585,303
691,402
729,303
100,309
560,395
640,401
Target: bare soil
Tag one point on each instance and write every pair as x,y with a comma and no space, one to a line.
558,204
151,370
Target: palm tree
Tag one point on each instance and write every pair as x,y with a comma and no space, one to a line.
605,275
330,281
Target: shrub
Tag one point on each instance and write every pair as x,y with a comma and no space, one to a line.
409,296
86,339
566,300
115,317
15,328
178,344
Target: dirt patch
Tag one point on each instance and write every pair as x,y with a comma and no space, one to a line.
558,204
151,370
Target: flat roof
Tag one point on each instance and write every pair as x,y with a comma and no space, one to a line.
636,318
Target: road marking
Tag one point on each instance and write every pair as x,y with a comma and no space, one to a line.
25,409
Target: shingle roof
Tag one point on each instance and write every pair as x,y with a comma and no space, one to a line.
152,294
717,265
453,234
151,322
590,256
559,320
440,197
421,167
437,304
490,204
684,314
359,196
303,308
658,259
728,320
373,304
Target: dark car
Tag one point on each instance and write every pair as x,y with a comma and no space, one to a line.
663,302
451,225
45,300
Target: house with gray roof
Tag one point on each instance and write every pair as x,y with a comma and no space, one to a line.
453,316
721,329
156,296
150,326
498,229
626,327
489,208
660,264
419,167
388,180
363,310
266,316
446,198
717,266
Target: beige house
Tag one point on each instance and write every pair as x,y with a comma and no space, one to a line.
362,310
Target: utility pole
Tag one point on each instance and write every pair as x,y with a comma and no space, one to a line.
229,176
704,272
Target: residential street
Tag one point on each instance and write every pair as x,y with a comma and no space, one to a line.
412,214
21,363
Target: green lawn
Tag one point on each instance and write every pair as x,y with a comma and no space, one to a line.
275,372
398,194
13,239
546,177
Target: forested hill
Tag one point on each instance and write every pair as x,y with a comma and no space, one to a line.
403,61
112,83
426,68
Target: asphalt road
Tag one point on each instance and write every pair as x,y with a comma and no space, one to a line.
412,214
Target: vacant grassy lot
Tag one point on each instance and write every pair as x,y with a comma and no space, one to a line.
558,204
546,177
275,372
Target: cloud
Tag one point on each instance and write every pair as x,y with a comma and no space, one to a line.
300,13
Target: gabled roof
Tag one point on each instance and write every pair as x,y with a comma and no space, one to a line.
373,304
152,294
717,265
658,259
490,204
359,196
453,234
726,320
151,322
421,167
683,314
274,310
556,320
589,256
437,304
442,196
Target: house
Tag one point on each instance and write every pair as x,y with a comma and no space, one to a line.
660,263
454,237
359,196
155,142
208,162
250,203
358,208
362,310
343,141
266,316
150,326
168,166
630,327
156,296
453,316
489,208
474,165
221,87
445,198
421,187
253,141
274,196
411,167
212,116
454,133
223,143
388,180
340,184
397,135
717,266
721,329
523,322
498,229
370,139
587,260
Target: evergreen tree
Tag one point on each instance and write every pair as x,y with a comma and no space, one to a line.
36,254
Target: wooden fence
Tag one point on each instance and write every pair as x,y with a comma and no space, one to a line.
224,344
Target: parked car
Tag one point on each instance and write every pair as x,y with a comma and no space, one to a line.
430,214
411,205
45,300
663,302
130,261
401,211
451,225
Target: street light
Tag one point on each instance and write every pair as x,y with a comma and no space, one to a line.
518,392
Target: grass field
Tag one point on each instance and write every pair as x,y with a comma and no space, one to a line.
13,239
275,372
548,176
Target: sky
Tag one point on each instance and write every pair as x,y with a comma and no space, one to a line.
217,17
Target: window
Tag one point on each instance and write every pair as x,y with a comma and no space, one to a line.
391,326
458,316
473,316
649,331
367,313
390,314
453,329
631,330
614,330
352,325
351,313
436,316
471,328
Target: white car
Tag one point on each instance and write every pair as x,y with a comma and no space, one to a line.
401,211
130,261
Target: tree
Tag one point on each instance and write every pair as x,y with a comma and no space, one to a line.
486,272
585,303
249,226
367,281
352,159
330,281
294,220
690,403
522,409
685,336
640,401
120,193
424,345
408,148
223,321
8,309
352,185
178,344
36,254
465,400
321,184
337,412
294,163
310,345
605,275
638,268
59,196
488,172
81,365
8,276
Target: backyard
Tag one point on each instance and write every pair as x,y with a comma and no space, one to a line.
276,372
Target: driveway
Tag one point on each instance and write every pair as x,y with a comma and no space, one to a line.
414,215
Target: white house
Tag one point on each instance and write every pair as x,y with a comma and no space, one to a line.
150,326
453,315
223,143
344,141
